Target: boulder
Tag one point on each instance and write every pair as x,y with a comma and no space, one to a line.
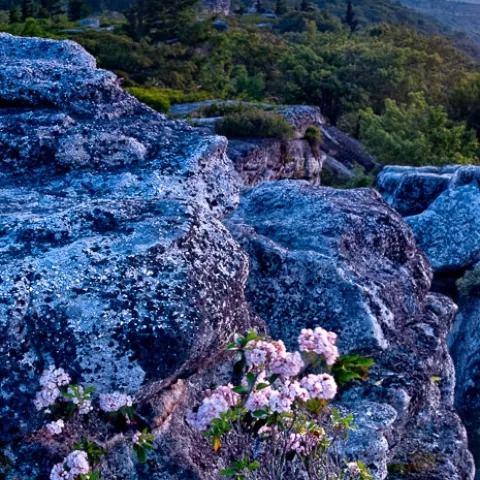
347,262
411,190
114,264
464,342
448,231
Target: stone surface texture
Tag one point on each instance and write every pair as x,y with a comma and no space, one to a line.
357,270
118,263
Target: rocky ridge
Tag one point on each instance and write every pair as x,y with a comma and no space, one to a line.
115,265
442,206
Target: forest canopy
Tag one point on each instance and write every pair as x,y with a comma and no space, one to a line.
363,63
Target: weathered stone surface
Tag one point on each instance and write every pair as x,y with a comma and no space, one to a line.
114,264
346,149
261,160
410,190
448,231
113,261
264,159
346,261
464,341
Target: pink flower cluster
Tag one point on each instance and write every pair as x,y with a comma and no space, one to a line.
76,463
113,402
54,428
274,357
302,443
214,404
321,387
51,379
321,342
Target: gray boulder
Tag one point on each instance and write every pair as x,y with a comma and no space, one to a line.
464,342
448,231
259,160
344,260
410,190
113,262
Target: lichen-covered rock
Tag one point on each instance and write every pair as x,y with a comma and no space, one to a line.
448,231
344,260
411,190
113,262
261,160
464,343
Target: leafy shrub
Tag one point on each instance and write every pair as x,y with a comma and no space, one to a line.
469,284
360,179
313,134
253,122
161,99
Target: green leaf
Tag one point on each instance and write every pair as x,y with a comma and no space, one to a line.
241,389
251,379
261,386
227,472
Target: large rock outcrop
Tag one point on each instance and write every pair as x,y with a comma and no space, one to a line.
116,266
260,160
345,260
114,263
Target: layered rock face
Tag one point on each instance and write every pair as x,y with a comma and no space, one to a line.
345,260
116,266
442,206
268,159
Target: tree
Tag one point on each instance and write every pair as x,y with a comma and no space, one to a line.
160,20
77,9
417,134
305,5
16,15
281,8
350,19
29,9
57,7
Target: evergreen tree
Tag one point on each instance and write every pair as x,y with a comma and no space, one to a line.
350,19
29,9
16,15
158,19
281,8
77,9
305,5
57,7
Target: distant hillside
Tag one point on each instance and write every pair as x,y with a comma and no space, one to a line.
459,16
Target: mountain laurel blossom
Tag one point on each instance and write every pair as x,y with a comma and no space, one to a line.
113,402
51,379
321,342
214,404
321,387
76,463
54,428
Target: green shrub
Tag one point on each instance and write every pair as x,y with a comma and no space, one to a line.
360,179
253,122
156,100
313,134
469,284
160,99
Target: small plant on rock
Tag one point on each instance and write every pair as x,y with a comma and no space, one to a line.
278,416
